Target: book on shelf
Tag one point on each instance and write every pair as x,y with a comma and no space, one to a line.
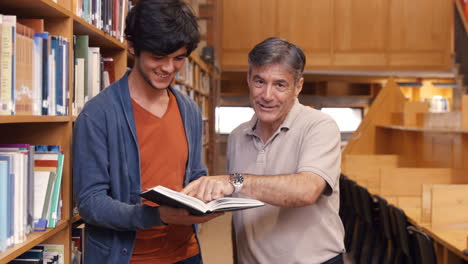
34,73
42,253
7,82
165,196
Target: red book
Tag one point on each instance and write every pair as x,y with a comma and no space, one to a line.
46,163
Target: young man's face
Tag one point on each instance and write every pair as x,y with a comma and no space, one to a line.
273,92
159,71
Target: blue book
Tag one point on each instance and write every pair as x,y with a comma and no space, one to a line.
9,222
66,89
46,51
30,178
58,48
32,254
47,148
4,173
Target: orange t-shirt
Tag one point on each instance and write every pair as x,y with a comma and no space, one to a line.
163,158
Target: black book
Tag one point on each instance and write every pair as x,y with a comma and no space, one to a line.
164,196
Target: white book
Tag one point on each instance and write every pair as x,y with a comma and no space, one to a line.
41,180
80,97
37,76
164,196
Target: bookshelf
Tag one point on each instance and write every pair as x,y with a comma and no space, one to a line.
60,20
198,80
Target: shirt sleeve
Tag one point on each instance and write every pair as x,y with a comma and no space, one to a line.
321,151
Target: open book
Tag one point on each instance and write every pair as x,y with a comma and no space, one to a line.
164,196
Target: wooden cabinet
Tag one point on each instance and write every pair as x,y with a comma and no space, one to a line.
359,33
244,24
343,34
316,42
420,33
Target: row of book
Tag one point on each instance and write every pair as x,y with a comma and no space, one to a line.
92,72
204,82
35,73
202,102
42,254
30,181
34,68
186,73
106,15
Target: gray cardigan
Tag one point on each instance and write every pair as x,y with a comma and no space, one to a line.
106,171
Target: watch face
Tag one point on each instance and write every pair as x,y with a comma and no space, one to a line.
238,179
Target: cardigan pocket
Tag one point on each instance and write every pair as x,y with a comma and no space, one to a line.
98,252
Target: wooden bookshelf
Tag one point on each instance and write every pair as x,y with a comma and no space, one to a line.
203,94
399,149
33,119
59,19
34,8
55,130
424,129
33,239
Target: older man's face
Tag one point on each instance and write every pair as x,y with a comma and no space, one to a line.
273,92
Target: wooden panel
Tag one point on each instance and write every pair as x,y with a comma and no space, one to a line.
309,24
364,141
449,205
360,25
426,203
425,59
358,162
360,59
408,181
464,112
246,23
317,59
411,109
366,169
234,60
441,150
420,25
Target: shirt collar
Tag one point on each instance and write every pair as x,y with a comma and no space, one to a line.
286,125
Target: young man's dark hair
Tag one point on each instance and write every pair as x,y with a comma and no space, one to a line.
161,27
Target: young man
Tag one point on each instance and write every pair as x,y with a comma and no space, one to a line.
136,134
288,156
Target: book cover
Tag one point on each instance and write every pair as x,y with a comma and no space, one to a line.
54,204
3,203
81,51
164,196
7,83
46,51
24,56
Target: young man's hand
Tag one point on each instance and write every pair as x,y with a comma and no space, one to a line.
177,216
209,188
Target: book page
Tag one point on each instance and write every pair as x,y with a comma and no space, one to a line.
233,202
188,200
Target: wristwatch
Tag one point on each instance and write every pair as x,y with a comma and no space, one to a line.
237,180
